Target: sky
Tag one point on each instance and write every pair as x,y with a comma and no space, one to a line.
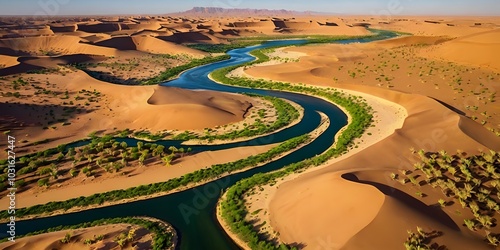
371,7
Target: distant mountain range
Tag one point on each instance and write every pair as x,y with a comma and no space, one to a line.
214,11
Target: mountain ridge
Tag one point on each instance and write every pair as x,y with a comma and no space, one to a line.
211,11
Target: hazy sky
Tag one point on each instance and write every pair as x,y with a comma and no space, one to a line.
375,7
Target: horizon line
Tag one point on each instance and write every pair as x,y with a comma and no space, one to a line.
305,12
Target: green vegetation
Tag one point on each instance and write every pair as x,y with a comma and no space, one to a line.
471,181
232,208
148,135
198,176
422,240
162,237
222,48
256,40
286,114
173,72
102,155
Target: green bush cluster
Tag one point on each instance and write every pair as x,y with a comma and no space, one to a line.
422,240
472,181
173,72
222,48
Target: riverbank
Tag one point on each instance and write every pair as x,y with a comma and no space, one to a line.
325,123
241,125
155,172
109,236
372,201
312,135
387,117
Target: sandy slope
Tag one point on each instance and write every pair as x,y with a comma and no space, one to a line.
148,44
8,61
436,26
482,50
322,210
52,44
443,133
53,240
128,107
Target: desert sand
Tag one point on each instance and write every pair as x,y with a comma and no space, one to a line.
142,238
433,91
152,173
368,214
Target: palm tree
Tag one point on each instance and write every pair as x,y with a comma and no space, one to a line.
167,159
173,149
485,220
492,239
490,158
474,207
443,153
471,225
452,171
158,151
73,172
492,204
141,160
490,168
442,202
89,158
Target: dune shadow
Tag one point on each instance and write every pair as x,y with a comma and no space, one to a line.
430,211
458,111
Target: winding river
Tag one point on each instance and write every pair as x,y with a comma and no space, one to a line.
192,212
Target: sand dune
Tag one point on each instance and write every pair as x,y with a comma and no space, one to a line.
230,103
307,211
313,25
150,25
52,240
41,31
394,216
8,61
127,107
417,132
100,27
59,28
452,27
354,209
50,62
482,50
414,40
53,45
191,37
26,64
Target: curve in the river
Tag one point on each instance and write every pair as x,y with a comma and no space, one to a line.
192,212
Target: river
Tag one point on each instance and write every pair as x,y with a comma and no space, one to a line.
192,212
